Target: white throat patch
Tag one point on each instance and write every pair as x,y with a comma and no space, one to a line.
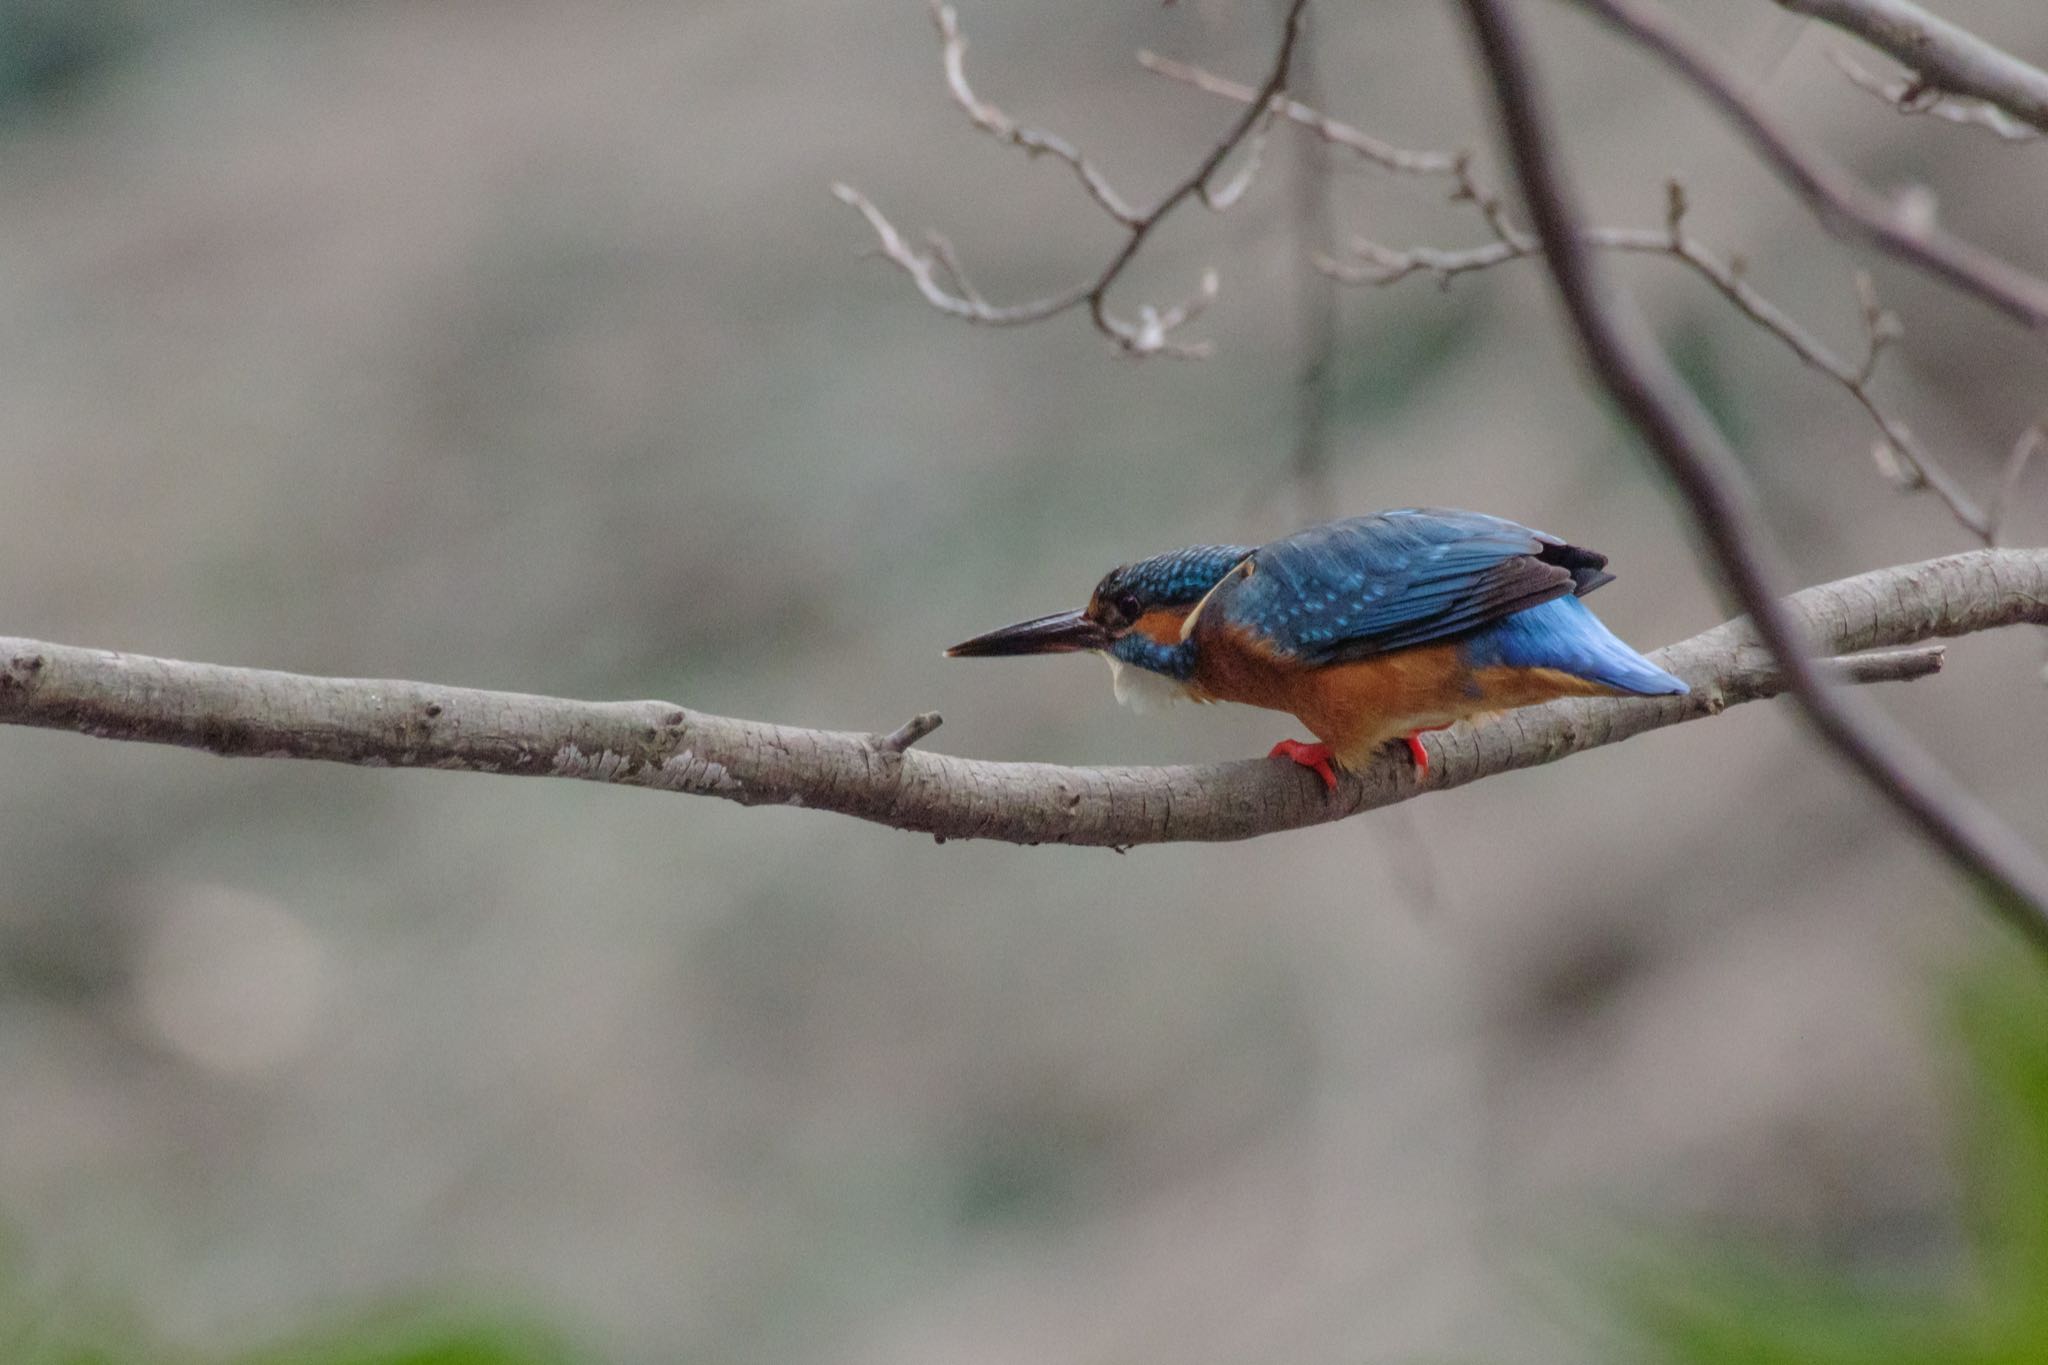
1143,690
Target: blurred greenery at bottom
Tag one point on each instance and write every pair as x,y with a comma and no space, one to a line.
1688,1303
71,1329
1692,1306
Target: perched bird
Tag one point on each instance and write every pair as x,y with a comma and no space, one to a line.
1367,630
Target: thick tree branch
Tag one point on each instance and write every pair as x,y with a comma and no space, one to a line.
1844,205
1721,501
247,712
1941,55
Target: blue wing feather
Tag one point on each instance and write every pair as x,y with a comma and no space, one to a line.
1368,585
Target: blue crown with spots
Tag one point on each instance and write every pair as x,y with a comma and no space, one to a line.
1174,579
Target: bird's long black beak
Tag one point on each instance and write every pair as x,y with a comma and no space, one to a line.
1060,634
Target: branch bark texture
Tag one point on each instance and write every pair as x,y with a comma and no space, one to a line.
1716,490
1942,55
246,712
1844,205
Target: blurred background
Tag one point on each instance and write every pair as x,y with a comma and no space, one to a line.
521,345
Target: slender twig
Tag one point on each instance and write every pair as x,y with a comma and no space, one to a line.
1941,55
996,123
1903,456
1319,318
1722,503
1914,96
2023,451
924,268
1843,204
1338,134
378,723
943,282
909,732
1900,455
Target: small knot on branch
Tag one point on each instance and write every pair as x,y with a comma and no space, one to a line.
909,732
20,671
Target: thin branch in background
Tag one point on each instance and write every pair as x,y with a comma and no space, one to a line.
1900,454
962,300
999,125
2023,451
943,282
1317,306
1233,189
2017,462
386,723
1402,160
1941,55
1901,228
1723,505
1911,95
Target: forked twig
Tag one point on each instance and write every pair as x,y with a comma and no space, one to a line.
1899,454
1844,205
1723,505
942,281
1941,55
1912,95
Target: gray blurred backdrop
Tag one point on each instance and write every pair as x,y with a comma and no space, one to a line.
521,345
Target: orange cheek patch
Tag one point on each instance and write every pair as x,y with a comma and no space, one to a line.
1161,625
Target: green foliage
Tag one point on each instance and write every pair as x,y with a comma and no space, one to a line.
1731,1308
42,1326
424,1339
50,49
1697,358
1695,353
1419,349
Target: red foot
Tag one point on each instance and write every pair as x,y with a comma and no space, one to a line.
1417,752
1315,757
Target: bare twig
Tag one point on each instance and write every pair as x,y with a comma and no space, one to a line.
1900,455
1363,144
1888,665
1219,199
2023,451
1843,204
246,712
942,281
1911,95
924,267
909,732
999,125
1722,504
1910,464
1942,56
1320,319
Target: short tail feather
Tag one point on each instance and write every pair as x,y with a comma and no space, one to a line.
1564,634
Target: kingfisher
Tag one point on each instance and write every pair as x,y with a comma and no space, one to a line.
1367,630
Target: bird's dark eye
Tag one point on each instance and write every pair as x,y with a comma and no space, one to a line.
1127,605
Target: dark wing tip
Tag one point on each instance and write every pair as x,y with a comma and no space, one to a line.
1585,566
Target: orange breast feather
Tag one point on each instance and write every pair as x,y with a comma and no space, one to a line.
1352,707
1356,707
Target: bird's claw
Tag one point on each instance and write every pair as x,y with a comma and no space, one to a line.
1315,757
1417,752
